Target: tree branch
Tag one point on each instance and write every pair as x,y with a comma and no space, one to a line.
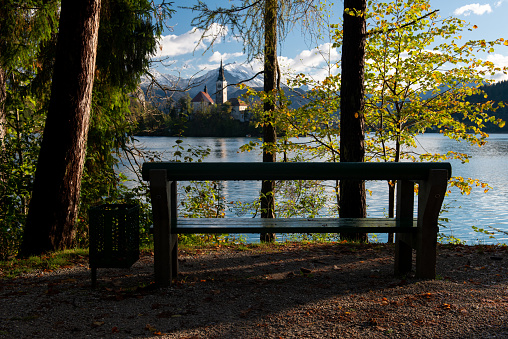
405,25
241,82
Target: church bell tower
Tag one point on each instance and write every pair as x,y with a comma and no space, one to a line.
221,89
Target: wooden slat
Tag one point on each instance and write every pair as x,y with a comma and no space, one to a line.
290,225
294,170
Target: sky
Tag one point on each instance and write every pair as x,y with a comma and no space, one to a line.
183,56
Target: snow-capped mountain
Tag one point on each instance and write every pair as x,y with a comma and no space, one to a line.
177,87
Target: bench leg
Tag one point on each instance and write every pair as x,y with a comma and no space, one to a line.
174,256
161,206
431,195
426,255
403,241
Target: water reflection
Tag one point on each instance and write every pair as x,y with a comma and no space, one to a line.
488,163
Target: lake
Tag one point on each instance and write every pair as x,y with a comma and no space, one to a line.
482,210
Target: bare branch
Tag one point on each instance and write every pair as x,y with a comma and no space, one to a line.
405,25
241,82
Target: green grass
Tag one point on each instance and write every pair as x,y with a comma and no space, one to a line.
15,267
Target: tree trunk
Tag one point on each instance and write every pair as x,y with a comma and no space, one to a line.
3,84
352,192
54,204
3,96
269,133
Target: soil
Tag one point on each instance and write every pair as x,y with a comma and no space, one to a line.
293,290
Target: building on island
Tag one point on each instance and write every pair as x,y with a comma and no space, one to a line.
221,87
239,110
203,102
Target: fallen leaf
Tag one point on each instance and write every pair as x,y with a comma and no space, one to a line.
150,328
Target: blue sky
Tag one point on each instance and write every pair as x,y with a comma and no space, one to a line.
184,57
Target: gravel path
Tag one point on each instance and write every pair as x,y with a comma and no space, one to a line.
287,291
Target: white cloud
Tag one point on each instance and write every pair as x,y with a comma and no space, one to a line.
474,9
498,3
500,61
175,45
215,31
311,62
203,67
216,56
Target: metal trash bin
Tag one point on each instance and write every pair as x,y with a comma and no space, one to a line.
114,237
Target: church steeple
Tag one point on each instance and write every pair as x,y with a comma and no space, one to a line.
221,73
221,87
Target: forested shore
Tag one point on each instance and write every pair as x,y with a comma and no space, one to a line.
71,106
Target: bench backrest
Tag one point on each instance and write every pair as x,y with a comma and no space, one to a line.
295,170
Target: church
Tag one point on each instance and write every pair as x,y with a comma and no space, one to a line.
203,101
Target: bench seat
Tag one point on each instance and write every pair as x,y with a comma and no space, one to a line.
291,225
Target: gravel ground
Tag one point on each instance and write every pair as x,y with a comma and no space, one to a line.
287,291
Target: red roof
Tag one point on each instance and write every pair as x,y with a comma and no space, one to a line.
203,97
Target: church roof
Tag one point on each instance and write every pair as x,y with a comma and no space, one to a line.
237,102
203,97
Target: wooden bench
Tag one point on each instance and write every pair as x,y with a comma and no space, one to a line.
419,234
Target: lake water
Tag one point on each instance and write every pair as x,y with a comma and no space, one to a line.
483,210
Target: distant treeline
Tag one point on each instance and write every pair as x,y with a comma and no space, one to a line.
214,122
496,92
218,122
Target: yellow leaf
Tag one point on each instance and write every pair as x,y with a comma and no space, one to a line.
475,27
506,43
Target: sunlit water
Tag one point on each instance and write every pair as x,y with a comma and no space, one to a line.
483,210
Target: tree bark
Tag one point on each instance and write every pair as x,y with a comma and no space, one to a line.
54,204
352,149
3,85
269,132
3,96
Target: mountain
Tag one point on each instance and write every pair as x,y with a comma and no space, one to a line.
233,72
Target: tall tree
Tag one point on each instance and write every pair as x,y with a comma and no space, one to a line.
56,191
127,38
352,134
3,96
269,132
413,81
419,77
24,25
276,17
